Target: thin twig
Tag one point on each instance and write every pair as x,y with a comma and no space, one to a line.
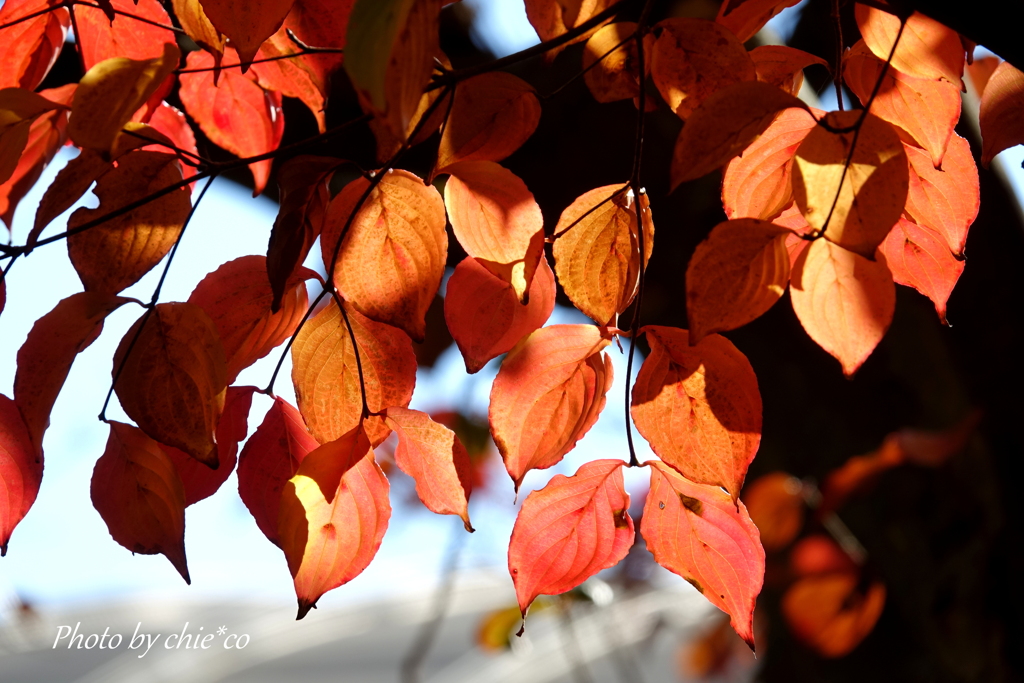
269,391
30,15
355,349
196,159
129,15
583,72
589,211
837,77
78,38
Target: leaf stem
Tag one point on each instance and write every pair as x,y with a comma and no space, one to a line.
269,391
355,349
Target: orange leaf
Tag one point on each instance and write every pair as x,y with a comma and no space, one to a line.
321,23
552,18
484,313
234,112
390,141
570,530
858,474
981,70
694,58
326,376
125,36
45,358
19,109
871,192
918,257
118,252
735,275
290,77
597,252
829,614
174,378
237,298
746,17
844,301
492,115
549,392
246,23
198,480
434,457
617,76
776,507
927,110
699,407
496,220
197,25
21,470
29,49
947,199
269,459
1000,118
927,49
706,537
392,256
329,539
724,125
783,66
819,554
137,492
758,183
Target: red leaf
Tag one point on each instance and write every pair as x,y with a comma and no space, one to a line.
29,49
819,554
198,480
235,112
706,537
320,23
830,614
434,457
699,407
247,23
137,492
126,36
1000,119
947,199
844,301
746,17
21,470
45,358
549,392
570,530
927,49
269,459
290,77
918,257
172,123
484,313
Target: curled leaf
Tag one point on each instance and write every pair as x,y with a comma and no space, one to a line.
1000,119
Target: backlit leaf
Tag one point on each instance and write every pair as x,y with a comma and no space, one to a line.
434,457
830,613
392,256
246,23
617,75
947,199
290,78
735,275
548,393
746,17
29,49
484,313
699,407
872,192
706,537
125,36
570,530
1001,105
552,18
597,252
724,125
777,508
19,108
21,470
492,115
927,49
197,25
783,66
496,220
694,58
844,301
326,376
137,492
174,379
117,253
321,23
918,257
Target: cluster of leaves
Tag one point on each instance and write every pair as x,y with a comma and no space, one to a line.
839,205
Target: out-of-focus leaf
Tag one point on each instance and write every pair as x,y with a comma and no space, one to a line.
830,614
819,554
21,470
927,49
776,507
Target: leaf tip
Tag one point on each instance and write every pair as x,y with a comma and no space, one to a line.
304,607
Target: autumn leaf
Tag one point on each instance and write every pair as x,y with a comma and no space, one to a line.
21,470
437,461
198,27
999,118
610,63
871,189
320,23
694,58
570,530
549,392
19,109
706,537
830,613
137,492
947,199
783,66
118,252
819,554
735,275
237,298
29,48
173,379
104,37
268,460
291,78
484,314
927,49
393,251
246,23
699,407
233,111
776,507
918,257
597,250
746,17
45,358
492,115
724,125
330,542
496,220
326,375
844,301
390,141
553,18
